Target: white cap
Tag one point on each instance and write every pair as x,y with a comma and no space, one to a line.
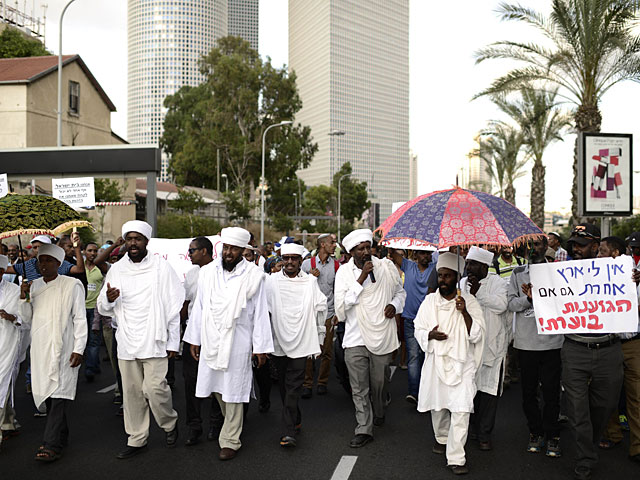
480,255
236,236
138,226
356,238
4,262
292,249
53,251
451,261
42,239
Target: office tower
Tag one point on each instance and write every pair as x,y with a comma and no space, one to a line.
351,59
243,20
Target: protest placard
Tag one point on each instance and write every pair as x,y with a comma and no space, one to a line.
585,296
176,252
75,192
4,185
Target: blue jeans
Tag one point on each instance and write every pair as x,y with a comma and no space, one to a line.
92,352
415,357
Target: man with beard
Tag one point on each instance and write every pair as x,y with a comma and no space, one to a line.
450,329
229,322
298,331
491,293
539,357
592,371
368,294
144,296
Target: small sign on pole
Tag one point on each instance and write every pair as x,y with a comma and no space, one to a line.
75,192
4,185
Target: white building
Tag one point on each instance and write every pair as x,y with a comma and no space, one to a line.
243,20
351,59
166,39
473,172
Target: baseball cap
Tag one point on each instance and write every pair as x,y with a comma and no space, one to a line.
634,239
584,233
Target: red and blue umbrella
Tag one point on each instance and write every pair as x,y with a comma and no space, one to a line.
459,217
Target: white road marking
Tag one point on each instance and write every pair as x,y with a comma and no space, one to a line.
344,468
108,389
393,370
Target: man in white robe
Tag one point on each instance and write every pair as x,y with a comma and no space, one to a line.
368,295
143,295
490,290
58,319
450,330
298,310
10,335
229,323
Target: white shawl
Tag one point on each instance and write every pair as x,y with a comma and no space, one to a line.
379,333
222,303
9,336
450,355
298,311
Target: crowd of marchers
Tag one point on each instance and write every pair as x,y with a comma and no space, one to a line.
462,322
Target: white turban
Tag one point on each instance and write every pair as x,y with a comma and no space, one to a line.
42,239
236,236
138,226
53,251
292,249
451,261
356,238
480,255
4,262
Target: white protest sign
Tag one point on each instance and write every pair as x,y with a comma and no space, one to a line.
585,296
176,252
75,192
4,185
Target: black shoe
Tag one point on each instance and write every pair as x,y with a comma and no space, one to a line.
459,469
264,407
439,449
582,473
635,458
130,452
172,437
194,438
360,440
306,392
322,390
90,377
213,433
378,421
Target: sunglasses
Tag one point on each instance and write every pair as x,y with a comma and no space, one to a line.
580,231
191,250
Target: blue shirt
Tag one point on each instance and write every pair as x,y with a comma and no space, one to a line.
32,268
416,284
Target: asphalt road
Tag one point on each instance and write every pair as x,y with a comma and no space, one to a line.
401,449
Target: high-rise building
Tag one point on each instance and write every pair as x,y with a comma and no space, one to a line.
166,39
243,20
413,175
351,59
473,172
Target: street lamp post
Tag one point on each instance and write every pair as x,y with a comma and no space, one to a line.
59,142
295,206
339,199
226,182
262,179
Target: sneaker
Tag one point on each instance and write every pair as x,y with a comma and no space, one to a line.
624,423
411,399
553,448
536,442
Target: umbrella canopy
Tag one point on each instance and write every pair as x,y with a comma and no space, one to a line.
37,215
460,217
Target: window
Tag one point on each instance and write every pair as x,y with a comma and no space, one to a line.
74,98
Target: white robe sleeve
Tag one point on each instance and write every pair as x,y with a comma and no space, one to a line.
173,312
262,336
493,296
193,333
399,297
422,327
320,305
105,307
79,317
26,312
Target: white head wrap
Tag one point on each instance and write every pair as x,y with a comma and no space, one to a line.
236,236
138,226
53,251
42,239
356,238
451,261
4,262
480,255
292,249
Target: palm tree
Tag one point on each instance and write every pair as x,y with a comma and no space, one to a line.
500,149
541,122
592,48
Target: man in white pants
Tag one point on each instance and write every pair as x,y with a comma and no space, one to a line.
143,295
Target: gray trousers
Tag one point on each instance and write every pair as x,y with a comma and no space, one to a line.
592,380
367,378
56,431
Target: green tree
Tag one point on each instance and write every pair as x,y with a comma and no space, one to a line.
13,43
174,225
105,190
542,123
187,203
589,47
227,115
354,198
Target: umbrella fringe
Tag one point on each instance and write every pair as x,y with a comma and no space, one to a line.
26,231
74,223
519,241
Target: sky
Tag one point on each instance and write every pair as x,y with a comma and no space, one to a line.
443,79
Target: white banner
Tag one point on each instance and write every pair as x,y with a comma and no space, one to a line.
176,252
585,296
75,192
4,185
